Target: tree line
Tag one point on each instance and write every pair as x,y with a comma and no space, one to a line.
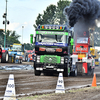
12,37
54,14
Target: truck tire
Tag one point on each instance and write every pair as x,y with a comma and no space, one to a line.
26,58
75,72
20,61
65,73
5,57
37,73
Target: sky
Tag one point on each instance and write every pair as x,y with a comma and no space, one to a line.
23,13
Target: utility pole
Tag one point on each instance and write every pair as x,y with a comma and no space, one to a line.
22,33
5,22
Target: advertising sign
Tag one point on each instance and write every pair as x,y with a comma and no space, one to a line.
81,48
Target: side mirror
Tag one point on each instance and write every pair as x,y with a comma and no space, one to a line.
69,39
31,38
34,40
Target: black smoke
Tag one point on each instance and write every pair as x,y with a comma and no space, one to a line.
87,10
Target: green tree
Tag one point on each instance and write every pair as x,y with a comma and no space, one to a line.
11,37
1,36
39,20
53,14
29,46
46,17
59,16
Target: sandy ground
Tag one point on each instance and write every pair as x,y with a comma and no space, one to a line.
75,94
26,83
10,64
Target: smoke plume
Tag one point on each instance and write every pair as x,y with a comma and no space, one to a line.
87,10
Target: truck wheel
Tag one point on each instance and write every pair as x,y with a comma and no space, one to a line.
20,61
65,73
75,72
5,57
37,73
26,58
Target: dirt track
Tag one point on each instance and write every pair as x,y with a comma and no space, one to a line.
26,83
76,94
10,64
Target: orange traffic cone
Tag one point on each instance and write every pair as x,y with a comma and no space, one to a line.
94,81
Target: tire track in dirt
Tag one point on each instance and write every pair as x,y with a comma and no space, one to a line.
27,83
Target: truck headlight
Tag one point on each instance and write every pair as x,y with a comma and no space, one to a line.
62,60
38,59
66,60
34,58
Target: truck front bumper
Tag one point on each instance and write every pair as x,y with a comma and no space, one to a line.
50,67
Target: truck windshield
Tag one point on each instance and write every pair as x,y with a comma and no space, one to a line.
16,48
51,38
82,40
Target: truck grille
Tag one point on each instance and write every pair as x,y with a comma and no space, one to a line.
52,60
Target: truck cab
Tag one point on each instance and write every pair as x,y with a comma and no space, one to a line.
53,47
85,63
16,51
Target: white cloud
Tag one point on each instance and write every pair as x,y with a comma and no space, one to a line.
13,26
25,23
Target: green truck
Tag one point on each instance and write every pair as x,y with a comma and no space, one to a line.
53,49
